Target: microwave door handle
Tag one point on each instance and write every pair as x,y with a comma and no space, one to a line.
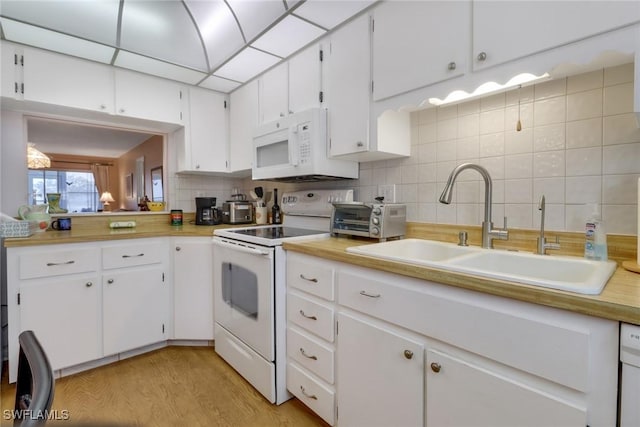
293,146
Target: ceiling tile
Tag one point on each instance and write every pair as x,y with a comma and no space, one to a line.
280,41
246,65
329,14
219,84
255,16
218,28
157,68
163,30
95,20
50,40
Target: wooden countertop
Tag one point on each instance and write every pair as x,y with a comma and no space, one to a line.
620,299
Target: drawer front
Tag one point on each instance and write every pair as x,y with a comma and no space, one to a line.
314,394
134,254
312,276
311,353
56,263
310,315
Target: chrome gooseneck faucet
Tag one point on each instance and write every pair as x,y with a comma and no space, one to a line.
488,232
542,245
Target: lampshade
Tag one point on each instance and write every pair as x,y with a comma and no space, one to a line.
106,198
36,159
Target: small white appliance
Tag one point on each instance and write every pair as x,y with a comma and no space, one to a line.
250,288
630,378
295,149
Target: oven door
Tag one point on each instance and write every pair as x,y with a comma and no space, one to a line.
244,293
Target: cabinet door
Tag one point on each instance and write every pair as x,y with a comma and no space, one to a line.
461,393
243,118
10,76
348,86
274,93
64,313
135,308
409,50
193,288
504,31
305,80
380,376
70,82
208,130
147,97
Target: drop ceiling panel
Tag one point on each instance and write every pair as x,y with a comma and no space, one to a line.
157,68
219,84
50,40
279,41
329,14
163,30
246,65
95,20
218,28
256,16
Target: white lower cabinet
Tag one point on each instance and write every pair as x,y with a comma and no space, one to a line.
380,375
411,352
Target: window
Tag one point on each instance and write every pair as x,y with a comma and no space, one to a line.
77,190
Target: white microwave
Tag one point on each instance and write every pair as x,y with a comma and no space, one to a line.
295,149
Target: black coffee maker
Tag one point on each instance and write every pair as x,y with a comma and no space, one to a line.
206,211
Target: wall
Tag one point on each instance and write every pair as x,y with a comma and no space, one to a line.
152,151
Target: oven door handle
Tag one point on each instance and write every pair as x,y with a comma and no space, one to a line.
240,248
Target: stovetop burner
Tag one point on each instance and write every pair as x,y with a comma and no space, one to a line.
276,232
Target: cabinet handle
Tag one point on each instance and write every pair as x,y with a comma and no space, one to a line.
364,294
310,396
435,367
103,107
359,144
408,354
197,166
306,355
307,316
451,66
53,264
133,256
281,114
88,284
121,110
314,280
178,248
482,56
110,281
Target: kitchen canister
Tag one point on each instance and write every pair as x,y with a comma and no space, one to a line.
176,216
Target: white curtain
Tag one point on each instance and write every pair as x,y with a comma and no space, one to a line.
101,177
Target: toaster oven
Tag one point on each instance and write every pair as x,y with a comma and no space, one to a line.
380,221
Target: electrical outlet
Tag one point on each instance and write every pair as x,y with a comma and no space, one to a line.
387,191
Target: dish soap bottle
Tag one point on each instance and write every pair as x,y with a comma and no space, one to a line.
595,246
276,214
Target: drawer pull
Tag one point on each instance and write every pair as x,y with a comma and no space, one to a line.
53,264
365,294
307,316
408,354
132,256
88,284
110,281
435,367
306,355
314,280
310,396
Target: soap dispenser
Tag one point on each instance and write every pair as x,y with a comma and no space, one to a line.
595,246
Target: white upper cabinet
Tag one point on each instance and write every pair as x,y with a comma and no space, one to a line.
504,31
243,118
63,80
416,44
10,73
274,93
146,97
305,79
348,83
206,134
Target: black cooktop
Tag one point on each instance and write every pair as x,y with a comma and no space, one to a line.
277,232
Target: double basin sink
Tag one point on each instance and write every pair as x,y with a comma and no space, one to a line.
566,273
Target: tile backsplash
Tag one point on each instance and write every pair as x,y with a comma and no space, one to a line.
579,144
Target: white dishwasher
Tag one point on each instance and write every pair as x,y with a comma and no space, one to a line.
630,389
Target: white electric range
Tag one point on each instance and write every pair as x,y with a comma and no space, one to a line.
250,288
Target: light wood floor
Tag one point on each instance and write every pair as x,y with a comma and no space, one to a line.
173,386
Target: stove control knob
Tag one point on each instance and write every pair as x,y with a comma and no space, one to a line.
377,211
375,221
375,231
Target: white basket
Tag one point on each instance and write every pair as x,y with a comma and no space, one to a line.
15,229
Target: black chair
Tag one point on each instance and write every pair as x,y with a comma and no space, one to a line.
35,383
